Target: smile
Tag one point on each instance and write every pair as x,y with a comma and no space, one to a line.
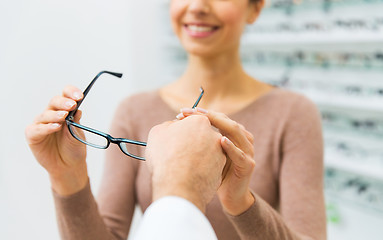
200,31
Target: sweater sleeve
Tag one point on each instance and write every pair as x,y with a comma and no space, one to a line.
80,217
301,212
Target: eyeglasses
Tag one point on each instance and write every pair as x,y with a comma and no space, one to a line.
101,140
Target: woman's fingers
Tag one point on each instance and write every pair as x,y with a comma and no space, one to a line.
62,103
243,163
53,118
219,120
43,127
37,132
50,116
237,143
73,93
248,134
67,101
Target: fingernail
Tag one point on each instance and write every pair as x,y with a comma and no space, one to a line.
227,141
201,110
180,116
77,95
61,114
55,125
70,104
187,110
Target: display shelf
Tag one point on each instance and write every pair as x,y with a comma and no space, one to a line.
363,191
334,196
340,48
324,100
341,102
375,172
332,38
301,40
354,152
297,7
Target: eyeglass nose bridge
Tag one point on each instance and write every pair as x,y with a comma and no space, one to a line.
120,141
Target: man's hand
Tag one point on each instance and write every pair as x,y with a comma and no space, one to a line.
234,193
186,160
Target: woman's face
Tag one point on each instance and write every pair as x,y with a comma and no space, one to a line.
211,27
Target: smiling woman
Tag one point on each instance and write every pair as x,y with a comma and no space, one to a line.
272,182
212,26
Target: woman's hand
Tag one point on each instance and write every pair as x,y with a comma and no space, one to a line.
234,193
54,147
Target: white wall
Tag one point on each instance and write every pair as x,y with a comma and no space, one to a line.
44,46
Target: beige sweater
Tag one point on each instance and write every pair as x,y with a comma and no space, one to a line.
287,181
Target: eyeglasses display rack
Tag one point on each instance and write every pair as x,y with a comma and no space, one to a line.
332,52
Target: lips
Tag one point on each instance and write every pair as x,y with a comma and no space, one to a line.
200,30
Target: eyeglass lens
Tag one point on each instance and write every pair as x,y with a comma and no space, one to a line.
90,138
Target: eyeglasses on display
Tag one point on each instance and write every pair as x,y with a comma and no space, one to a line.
354,189
291,6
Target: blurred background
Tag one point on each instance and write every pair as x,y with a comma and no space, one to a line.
329,50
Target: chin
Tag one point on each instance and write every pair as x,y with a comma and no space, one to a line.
200,50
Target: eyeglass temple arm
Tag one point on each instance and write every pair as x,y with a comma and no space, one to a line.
73,112
199,98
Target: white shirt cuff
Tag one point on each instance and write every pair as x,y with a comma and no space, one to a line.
173,217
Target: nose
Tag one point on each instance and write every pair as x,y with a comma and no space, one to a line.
199,7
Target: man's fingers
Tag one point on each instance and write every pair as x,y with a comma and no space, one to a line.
160,127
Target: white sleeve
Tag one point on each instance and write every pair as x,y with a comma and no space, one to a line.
174,218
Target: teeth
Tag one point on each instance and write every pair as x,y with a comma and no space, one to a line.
195,28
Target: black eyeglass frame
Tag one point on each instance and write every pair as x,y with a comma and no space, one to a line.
119,141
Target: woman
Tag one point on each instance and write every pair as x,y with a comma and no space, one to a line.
281,199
